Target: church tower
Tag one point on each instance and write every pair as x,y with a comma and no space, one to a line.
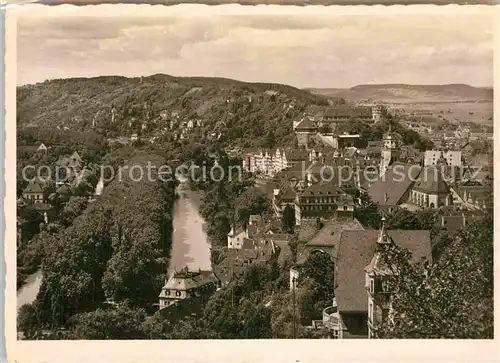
389,152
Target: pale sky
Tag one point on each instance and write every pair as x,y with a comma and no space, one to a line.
324,47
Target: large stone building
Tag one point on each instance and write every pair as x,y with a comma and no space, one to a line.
325,200
269,162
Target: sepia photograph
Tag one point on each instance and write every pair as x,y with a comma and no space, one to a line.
191,172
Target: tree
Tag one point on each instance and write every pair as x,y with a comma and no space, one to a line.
451,298
405,219
251,201
367,212
73,209
32,220
288,219
120,322
27,321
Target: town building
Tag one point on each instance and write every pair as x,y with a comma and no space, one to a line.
378,112
344,113
452,158
394,187
359,295
430,190
35,192
42,148
241,238
270,162
325,200
472,196
305,130
389,151
186,284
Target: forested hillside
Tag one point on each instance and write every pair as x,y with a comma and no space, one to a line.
251,114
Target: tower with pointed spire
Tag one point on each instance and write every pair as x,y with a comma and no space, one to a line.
377,275
389,152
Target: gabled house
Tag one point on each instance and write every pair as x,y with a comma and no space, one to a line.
355,270
186,284
34,193
42,148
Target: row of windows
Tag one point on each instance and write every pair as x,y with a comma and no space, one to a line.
168,293
321,207
319,200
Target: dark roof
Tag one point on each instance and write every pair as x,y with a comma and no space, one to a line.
329,235
248,244
390,188
42,207
33,187
296,154
286,192
346,111
307,230
306,124
356,250
323,188
431,181
64,190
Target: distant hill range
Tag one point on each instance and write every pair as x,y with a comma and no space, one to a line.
404,93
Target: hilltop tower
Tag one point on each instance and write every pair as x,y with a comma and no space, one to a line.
377,113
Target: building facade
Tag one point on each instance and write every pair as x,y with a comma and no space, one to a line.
452,158
186,284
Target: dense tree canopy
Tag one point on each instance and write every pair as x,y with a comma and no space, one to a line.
451,298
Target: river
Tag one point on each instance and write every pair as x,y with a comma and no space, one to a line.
190,246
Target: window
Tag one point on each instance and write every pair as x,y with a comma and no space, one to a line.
345,207
372,286
177,293
167,293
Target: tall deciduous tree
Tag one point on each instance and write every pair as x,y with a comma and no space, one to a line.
288,219
451,298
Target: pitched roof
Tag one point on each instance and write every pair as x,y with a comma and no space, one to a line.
431,181
185,279
329,235
356,250
389,189
42,207
323,188
33,187
306,124
286,192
